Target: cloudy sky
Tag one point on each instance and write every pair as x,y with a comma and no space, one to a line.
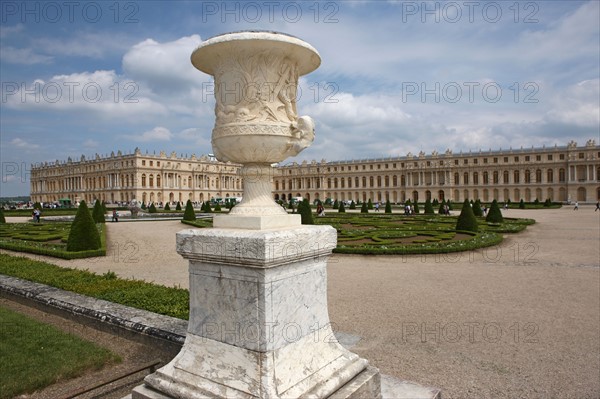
396,76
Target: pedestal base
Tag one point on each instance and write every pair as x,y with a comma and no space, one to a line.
365,385
259,326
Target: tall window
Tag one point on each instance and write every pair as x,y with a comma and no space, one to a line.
562,176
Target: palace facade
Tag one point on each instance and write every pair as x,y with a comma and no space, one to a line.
120,178
567,173
560,173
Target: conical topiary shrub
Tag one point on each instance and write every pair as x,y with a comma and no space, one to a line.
521,204
336,204
342,208
189,213
547,203
152,208
305,212
417,210
494,214
207,208
467,220
352,205
167,207
98,213
428,207
84,233
477,211
217,207
178,207
2,218
388,207
364,208
370,204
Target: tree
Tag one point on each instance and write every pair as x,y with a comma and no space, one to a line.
352,205
189,213
370,204
98,213
2,218
305,212
494,214
84,233
477,211
547,203
521,204
388,207
178,207
152,208
342,208
167,207
429,207
467,220
364,208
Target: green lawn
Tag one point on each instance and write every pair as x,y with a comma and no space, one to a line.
35,355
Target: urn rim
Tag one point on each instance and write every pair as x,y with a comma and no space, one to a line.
206,55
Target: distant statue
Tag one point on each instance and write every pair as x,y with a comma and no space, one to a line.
134,208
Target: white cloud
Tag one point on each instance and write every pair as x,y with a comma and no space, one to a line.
164,66
25,56
100,92
158,133
578,105
6,31
18,142
90,144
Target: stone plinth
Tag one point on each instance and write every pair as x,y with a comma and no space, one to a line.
259,326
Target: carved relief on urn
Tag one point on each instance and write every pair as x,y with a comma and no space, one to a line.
256,78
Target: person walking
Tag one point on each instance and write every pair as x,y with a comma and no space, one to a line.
576,206
597,206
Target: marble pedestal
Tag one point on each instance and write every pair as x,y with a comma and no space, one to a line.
259,325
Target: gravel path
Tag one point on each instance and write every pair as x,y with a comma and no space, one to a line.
518,320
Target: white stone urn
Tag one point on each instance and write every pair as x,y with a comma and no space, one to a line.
256,79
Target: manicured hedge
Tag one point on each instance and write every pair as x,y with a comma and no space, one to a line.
46,238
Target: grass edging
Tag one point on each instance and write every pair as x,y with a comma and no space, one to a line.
155,298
